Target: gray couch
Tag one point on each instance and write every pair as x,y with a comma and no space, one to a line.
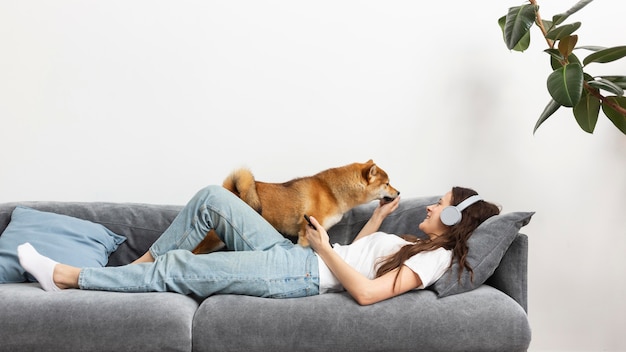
491,317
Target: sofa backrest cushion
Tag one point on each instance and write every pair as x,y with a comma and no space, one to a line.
403,221
141,224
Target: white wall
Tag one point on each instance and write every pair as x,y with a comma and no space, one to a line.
147,101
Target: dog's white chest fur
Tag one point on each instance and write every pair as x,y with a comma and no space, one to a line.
332,220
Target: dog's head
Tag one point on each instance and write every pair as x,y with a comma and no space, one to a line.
378,186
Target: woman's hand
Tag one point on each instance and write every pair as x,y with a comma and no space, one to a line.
385,208
318,237
380,213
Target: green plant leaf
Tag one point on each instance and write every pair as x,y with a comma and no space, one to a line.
563,31
607,85
620,81
618,119
586,112
548,111
557,58
565,84
555,54
519,19
523,43
558,19
572,59
606,55
591,47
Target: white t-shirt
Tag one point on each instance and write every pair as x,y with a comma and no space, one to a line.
363,256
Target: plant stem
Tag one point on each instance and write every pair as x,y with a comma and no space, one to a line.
604,100
539,22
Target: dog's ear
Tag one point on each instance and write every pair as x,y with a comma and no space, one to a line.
370,171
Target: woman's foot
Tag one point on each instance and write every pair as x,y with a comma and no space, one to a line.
41,267
52,276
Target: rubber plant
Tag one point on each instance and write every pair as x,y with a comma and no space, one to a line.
569,84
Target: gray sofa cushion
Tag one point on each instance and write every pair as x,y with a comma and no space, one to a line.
62,238
487,246
483,320
141,224
75,320
403,221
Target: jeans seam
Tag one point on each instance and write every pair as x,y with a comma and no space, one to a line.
207,208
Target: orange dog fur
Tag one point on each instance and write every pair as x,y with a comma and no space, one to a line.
326,196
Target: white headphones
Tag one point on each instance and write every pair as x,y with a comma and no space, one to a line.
451,215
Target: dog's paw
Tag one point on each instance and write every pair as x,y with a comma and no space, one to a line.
303,241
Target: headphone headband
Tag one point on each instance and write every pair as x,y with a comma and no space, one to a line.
469,201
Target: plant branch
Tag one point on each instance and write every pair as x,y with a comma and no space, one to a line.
539,23
604,100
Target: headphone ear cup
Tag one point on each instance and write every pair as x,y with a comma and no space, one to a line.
450,215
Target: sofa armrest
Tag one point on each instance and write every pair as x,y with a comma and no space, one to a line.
511,276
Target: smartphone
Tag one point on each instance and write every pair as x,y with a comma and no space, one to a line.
306,217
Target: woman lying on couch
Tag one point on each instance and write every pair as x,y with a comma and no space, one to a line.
261,262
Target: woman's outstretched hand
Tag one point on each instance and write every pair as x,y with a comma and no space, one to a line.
385,208
380,213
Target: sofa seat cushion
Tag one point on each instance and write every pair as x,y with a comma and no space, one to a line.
484,319
35,320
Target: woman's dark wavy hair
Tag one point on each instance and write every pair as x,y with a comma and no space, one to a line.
454,239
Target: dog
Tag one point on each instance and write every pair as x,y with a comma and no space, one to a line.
326,196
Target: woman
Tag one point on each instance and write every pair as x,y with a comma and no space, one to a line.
261,262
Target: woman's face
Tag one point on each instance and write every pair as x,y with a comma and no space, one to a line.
432,225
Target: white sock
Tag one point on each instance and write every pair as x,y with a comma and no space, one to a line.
41,267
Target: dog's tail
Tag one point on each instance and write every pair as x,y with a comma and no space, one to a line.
241,182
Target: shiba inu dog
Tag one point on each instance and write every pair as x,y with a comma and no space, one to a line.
326,196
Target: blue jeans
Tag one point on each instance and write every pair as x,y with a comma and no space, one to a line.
260,261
